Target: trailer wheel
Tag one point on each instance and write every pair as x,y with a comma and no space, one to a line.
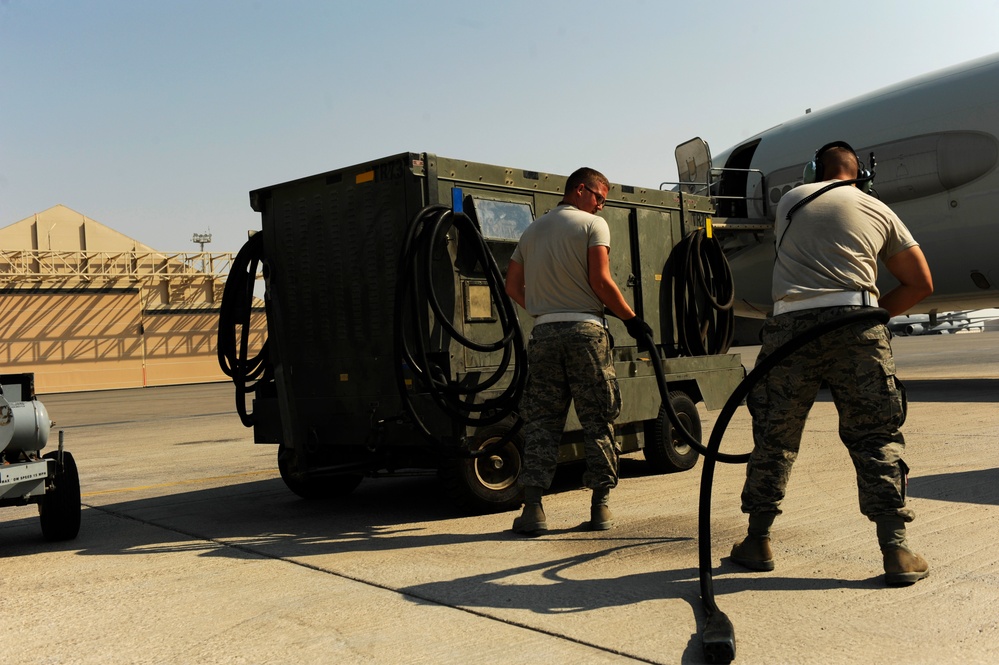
664,450
314,488
486,484
61,506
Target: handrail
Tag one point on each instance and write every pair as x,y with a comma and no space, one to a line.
705,188
34,264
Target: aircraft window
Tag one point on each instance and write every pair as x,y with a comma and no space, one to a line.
502,220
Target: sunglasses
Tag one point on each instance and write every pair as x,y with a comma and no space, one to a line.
600,200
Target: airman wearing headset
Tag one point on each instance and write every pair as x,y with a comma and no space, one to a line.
830,235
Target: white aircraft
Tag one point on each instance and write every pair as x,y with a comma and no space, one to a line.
935,142
943,323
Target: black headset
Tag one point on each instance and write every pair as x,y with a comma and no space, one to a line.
815,171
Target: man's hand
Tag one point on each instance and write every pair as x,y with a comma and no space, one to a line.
641,331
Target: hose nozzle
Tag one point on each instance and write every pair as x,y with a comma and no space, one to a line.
718,638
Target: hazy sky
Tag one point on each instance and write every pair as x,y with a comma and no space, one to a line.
158,117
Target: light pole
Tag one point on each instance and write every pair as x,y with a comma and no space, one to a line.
202,239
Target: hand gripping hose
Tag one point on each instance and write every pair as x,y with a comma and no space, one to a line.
718,635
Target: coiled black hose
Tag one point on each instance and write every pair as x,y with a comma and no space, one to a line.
701,316
415,287
247,374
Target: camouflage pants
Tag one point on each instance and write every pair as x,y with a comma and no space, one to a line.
856,363
570,362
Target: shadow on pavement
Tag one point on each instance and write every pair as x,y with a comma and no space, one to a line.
265,517
952,390
942,390
980,486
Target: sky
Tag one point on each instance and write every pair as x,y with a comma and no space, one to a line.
157,117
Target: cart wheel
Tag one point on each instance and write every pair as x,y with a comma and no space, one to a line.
314,488
60,508
486,484
665,450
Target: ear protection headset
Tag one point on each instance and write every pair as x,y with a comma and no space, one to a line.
815,171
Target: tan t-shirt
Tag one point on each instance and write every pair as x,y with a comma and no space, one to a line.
833,242
553,251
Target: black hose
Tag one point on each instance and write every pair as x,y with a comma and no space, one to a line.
461,401
235,310
671,415
700,320
718,636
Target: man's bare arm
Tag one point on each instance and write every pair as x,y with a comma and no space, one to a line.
603,283
515,283
916,283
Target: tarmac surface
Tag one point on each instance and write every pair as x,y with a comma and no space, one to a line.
193,551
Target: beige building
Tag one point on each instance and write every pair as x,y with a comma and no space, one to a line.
87,308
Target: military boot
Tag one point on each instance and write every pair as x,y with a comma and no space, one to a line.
902,566
532,520
754,551
600,514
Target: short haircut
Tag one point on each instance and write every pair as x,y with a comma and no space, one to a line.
586,176
839,158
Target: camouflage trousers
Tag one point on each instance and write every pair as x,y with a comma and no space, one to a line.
857,365
570,362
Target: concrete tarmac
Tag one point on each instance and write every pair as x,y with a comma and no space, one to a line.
193,551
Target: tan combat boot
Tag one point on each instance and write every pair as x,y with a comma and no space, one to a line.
903,566
532,520
754,553
600,514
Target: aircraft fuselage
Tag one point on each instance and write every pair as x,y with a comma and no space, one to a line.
936,144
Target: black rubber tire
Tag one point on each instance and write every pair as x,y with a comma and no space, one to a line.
486,484
315,489
664,450
61,507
